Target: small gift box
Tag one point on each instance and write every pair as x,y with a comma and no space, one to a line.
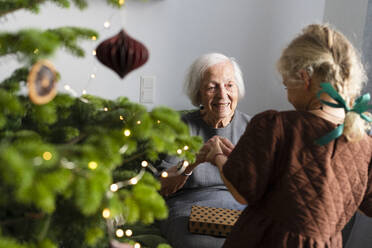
212,221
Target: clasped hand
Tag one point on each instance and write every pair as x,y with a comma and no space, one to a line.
213,147
174,181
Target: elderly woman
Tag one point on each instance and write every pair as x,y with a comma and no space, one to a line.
215,84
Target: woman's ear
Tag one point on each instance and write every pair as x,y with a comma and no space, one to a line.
306,78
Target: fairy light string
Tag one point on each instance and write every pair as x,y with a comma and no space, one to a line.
95,72
114,227
113,224
94,165
107,24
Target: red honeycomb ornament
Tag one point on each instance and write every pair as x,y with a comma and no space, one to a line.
122,53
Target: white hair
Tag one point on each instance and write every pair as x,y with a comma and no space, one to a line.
196,72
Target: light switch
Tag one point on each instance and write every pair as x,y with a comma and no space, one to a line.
147,89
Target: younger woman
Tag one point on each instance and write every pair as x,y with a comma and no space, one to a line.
303,173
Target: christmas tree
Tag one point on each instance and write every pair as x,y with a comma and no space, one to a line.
73,169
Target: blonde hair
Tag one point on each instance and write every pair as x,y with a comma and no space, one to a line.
328,54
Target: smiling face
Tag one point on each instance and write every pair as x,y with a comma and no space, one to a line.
219,94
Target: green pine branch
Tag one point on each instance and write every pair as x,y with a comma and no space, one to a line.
59,159
12,83
40,184
29,45
9,6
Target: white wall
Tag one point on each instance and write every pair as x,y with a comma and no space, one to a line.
176,32
349,17
367,45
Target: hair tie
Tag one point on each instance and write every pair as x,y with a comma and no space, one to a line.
359,107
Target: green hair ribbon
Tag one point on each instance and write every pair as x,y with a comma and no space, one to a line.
360,106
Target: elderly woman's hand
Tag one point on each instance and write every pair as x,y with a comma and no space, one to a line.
215,146
201,157
173,182
226,146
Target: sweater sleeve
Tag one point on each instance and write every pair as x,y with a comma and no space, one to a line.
366,205
250,166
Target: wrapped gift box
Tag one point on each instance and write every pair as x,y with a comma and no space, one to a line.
212,221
